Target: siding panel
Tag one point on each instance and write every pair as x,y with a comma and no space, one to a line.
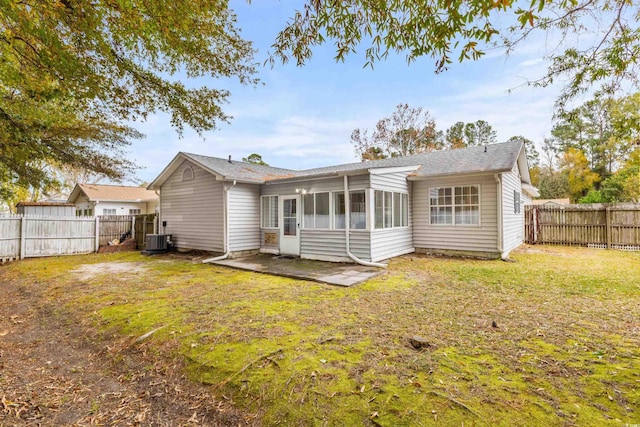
513,223
244,218
483,238
332,244
193,210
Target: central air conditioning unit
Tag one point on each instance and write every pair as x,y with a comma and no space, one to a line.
158,243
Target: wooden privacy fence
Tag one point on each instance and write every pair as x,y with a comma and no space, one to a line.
38,236
595,225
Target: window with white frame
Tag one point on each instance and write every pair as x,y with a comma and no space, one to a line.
455,205
109,211
357,210
269,212
316,210
134,211
391,209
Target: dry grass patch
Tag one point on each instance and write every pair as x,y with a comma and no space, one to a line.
551,339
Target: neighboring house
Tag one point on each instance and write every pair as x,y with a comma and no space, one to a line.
553,203
46,208
465,201
97,199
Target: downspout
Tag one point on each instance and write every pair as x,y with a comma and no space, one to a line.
156,223
227,188
347,215
499,193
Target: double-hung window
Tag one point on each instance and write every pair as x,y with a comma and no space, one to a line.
455,205
269,212
134,211
357,210
391,209
109,212
316,210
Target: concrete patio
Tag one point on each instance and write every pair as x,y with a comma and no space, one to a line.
332,273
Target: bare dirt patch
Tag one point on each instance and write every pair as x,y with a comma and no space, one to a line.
116,269
56,371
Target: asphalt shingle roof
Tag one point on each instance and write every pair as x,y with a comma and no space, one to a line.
490,158
117,192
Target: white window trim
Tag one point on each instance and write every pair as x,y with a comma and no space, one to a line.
453,213
393,210
277,212
366,203
304,225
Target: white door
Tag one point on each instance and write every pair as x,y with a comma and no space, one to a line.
289,225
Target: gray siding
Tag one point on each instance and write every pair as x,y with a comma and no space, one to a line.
330,245
483,238
244,217
324,244
357,182
395,181
194,210
390,242
512,223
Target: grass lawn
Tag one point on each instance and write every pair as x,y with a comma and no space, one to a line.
566,349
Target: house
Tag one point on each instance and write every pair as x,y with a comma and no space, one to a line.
46,208
97,199
465,201
551,203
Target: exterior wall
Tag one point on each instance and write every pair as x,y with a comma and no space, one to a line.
512,223
122,208
82,203
193,210
322,244
482,239
47,210
244,218
390,242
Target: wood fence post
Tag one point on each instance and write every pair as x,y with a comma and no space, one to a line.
23,236
97,233
608,229
133,226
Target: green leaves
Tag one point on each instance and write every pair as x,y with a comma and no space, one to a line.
73,71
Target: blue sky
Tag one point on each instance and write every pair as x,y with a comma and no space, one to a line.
302,117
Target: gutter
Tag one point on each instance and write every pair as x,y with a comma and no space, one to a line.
227,188
347,214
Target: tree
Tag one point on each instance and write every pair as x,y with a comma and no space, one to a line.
407,131
479,133
462,134
73,72
580,178
444,30
255,159
454,136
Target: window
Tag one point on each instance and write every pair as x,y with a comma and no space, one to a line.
187,174
391,209
78,212
88,212
134,211
316,210
109,211
357,208
269,212
516,202
455,205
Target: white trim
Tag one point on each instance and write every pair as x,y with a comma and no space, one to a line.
453,214
393,169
